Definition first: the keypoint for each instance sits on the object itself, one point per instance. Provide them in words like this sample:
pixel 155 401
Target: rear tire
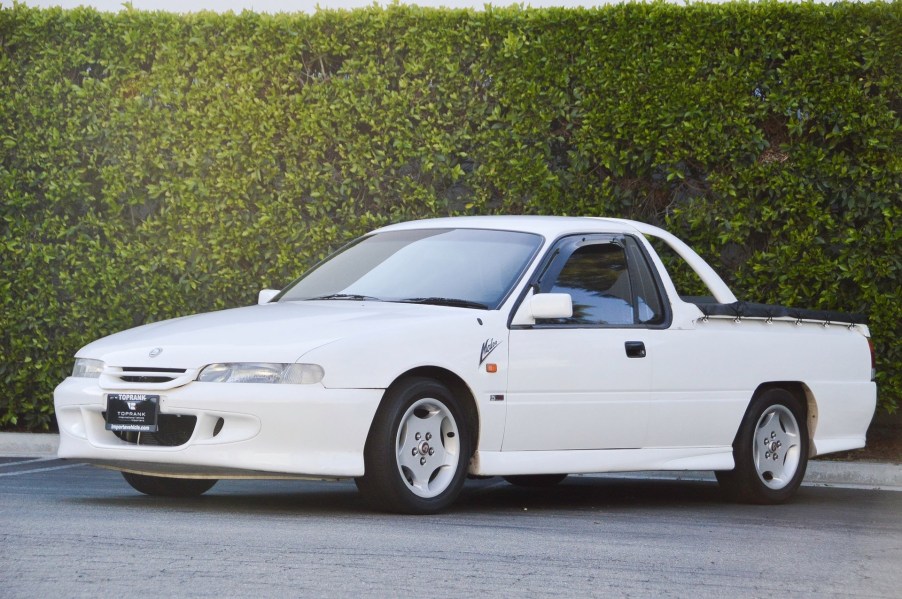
pixel 770 450
pixel 162 486
pixel 418 450
pixel 535 481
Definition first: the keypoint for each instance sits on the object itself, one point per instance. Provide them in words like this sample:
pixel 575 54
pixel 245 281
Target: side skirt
pixel 495 463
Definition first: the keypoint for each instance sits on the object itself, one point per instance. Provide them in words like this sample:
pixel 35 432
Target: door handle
pixel 635 349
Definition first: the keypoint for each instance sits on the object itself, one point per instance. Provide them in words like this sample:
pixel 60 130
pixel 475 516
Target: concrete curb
pixel 820 472
pixel 34 445
pixel 882 474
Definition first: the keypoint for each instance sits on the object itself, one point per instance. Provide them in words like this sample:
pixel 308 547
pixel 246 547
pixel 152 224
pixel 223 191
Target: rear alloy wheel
pixel 417 454
pixel 535 480
pixel 162 486
pixel 770 450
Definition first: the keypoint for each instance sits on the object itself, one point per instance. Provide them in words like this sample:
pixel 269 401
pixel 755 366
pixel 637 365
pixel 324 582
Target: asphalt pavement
pixel 71 530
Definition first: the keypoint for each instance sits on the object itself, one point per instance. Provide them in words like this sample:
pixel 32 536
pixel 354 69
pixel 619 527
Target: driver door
pixel 584 382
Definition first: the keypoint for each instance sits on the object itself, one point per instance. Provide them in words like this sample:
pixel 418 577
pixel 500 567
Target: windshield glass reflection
pixel 471 268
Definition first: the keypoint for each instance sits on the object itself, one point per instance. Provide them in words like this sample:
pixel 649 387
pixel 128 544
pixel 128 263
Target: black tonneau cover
pixel 743 309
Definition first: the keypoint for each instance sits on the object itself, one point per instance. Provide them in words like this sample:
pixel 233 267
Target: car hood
pixel 277 332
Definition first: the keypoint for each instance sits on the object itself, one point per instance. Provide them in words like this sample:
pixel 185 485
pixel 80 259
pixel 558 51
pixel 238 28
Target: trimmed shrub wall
pixel 154 165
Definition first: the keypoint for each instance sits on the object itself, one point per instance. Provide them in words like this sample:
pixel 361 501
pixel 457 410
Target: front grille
pixel 149 375
pixel 145 379
pixel 174 430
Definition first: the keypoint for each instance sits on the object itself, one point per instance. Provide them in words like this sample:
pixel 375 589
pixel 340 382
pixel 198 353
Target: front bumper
pixel 241 430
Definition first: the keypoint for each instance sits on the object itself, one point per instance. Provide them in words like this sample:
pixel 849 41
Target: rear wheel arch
pixel 777 417
pixel 806 398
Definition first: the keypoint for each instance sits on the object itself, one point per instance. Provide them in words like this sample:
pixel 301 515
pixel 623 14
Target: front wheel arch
pixel 449 379
pixel 414 414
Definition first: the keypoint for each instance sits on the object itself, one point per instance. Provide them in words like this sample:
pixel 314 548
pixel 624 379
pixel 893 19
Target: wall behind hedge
pixel 154 165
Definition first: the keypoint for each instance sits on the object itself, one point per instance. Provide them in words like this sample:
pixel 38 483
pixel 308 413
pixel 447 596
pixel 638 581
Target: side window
pixel 610 284
pixel 597 278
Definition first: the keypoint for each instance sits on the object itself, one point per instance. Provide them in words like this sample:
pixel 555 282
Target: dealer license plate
pixel 132 412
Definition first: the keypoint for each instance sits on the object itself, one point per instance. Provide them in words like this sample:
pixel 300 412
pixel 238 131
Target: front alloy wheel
pixel 418 450
pixel 427 448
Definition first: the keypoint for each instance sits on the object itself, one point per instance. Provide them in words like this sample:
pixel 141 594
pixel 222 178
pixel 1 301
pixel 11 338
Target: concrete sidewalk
pixel 866 475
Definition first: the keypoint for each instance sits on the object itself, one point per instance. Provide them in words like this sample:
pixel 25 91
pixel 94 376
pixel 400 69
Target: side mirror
pixel 265 296
pixel 544 305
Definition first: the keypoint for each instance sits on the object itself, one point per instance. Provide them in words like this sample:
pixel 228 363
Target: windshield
pixel 472 268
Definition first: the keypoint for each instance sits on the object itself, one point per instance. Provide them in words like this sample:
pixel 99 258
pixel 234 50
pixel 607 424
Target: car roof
pixel 549 226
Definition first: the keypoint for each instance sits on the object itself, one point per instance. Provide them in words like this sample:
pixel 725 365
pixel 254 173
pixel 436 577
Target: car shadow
pixel 244 497
pixel 577 492
pixel 479 496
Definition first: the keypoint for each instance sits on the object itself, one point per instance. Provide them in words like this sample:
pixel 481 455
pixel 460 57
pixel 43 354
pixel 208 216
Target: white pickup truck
pixel 523 347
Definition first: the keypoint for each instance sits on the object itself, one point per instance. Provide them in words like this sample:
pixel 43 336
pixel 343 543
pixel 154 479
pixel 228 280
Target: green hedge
pixel 154 165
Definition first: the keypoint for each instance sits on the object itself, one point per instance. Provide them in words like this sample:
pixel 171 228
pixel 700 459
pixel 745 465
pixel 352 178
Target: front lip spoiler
pixel 195 472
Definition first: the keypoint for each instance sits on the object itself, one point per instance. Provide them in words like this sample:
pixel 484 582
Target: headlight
pixel 87 368
pixel 262 372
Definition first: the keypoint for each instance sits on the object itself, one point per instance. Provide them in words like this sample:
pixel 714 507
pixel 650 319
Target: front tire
pixel 161 486
pixel 418 450
pixel 770 450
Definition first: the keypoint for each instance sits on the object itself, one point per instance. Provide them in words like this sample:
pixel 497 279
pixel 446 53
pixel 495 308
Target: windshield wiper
pixel 344 296
pixel 444 301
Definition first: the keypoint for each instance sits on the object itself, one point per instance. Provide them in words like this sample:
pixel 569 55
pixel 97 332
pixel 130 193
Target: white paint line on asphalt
pixel 26 461
pixel 33 470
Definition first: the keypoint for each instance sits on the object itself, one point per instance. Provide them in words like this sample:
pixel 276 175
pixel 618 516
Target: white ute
pixel 524 347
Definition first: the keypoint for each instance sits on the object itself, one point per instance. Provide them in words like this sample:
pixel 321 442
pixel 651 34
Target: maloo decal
pixel 488 346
